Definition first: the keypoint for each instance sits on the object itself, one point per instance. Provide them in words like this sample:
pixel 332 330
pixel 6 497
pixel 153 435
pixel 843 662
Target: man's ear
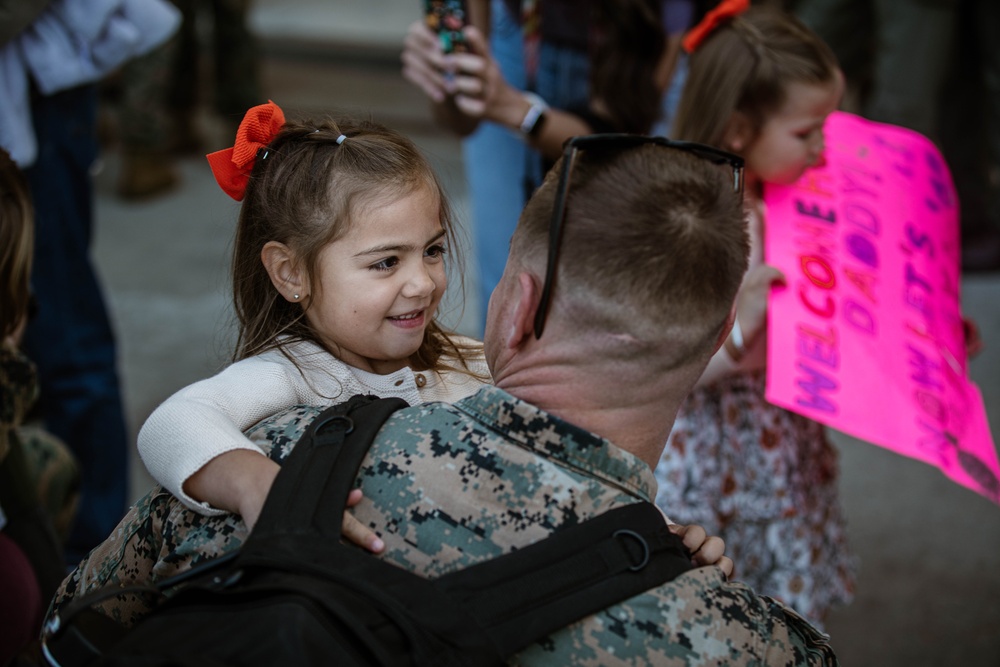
pixel 521 325
pixel 739 134
pixel 285 272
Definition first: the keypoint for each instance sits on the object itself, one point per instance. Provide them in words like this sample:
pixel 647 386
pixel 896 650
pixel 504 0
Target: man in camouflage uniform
pixel 653 253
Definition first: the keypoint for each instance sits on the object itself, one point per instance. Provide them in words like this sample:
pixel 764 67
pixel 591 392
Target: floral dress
pixel 765 480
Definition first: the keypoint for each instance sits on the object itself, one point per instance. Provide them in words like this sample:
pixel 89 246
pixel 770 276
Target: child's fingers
pixel 359 534
pixel 712 551
pixel 354 497
pixel 693 536
pixel 726 565
pixel 704 550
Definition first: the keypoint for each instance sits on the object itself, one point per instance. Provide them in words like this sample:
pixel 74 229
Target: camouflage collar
pixel 555 439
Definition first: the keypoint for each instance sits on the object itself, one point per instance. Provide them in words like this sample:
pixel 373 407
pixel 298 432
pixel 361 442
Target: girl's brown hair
pixel 17 235
pixel 303 191
pixel 746 65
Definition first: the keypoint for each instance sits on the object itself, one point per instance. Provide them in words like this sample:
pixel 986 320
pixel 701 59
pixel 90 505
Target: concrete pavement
pixel 929 592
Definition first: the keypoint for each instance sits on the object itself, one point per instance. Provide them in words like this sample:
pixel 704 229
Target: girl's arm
pixel 236 481
pixel 207 419
pixel 239 481
pixel 742 349
pixel 193 444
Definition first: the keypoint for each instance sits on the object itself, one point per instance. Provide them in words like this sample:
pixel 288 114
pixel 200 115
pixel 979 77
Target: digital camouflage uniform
pixel 449 486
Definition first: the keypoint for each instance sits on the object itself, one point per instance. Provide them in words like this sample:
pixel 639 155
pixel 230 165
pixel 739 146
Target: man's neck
pixel 609 402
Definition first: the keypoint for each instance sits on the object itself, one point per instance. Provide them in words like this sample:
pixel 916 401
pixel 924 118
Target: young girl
pixel 338 269
pixel 764 479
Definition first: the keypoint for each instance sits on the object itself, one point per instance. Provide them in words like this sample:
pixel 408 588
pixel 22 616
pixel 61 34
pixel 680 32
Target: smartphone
pixel 447 18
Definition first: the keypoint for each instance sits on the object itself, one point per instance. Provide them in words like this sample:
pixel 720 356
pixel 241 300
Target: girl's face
pixel 380 284
pixel 791 139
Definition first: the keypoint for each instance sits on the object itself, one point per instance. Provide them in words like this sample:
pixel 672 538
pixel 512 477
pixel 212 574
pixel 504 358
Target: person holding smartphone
pixel 534 73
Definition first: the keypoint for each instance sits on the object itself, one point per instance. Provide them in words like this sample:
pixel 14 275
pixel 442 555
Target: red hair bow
pixel 232 166
pixel 725 10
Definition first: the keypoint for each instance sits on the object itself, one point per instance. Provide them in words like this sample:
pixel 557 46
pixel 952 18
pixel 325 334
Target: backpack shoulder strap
pixel 516 599
pixel 309 494
pixel 524 596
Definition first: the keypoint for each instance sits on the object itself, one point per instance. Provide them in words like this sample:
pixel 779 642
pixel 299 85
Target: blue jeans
pixel 70 339
pixel 500 168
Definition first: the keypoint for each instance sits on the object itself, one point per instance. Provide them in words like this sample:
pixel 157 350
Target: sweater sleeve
pixel 207 418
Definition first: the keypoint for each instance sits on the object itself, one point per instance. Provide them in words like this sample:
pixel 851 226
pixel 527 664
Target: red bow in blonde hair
pixel 725 10
pixel 232 166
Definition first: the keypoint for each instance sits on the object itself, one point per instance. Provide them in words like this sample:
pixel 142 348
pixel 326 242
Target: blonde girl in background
pixel 337 273
pixel 764 479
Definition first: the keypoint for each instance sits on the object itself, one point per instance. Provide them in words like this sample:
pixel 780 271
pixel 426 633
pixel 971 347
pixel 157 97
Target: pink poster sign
pixel 867 336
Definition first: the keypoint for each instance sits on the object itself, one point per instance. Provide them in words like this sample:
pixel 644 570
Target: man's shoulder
pixel 696 620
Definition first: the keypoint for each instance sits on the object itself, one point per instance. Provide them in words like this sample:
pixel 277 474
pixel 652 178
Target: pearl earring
pixel 295 297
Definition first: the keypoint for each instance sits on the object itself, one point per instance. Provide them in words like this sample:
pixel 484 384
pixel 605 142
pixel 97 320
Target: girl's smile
pixel 408 321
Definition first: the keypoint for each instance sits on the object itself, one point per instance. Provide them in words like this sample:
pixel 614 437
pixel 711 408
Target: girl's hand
pixel 356 532
pixel 751 304
pixel 704 550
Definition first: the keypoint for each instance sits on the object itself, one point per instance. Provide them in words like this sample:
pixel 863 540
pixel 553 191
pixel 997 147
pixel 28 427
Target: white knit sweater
pixel 208 418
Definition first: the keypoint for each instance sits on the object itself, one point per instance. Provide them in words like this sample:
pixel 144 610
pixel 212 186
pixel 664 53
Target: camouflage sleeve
pixel 697 620
pixel 159 537
pixel 126 558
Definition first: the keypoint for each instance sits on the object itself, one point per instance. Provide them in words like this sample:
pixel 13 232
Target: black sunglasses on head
pixel 622 142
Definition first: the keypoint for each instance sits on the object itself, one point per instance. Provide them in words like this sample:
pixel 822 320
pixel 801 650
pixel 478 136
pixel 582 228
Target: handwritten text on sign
pixel 867 337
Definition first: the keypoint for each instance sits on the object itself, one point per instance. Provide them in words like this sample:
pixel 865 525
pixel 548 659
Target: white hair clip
pixel 340 139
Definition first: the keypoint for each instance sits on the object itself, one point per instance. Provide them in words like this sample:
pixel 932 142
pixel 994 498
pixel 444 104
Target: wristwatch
pixel 534 119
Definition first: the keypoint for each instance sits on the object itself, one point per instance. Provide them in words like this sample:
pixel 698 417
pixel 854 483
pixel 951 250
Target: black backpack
pixel 294 594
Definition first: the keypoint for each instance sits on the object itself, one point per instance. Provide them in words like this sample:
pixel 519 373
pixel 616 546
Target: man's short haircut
pixel 654 246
